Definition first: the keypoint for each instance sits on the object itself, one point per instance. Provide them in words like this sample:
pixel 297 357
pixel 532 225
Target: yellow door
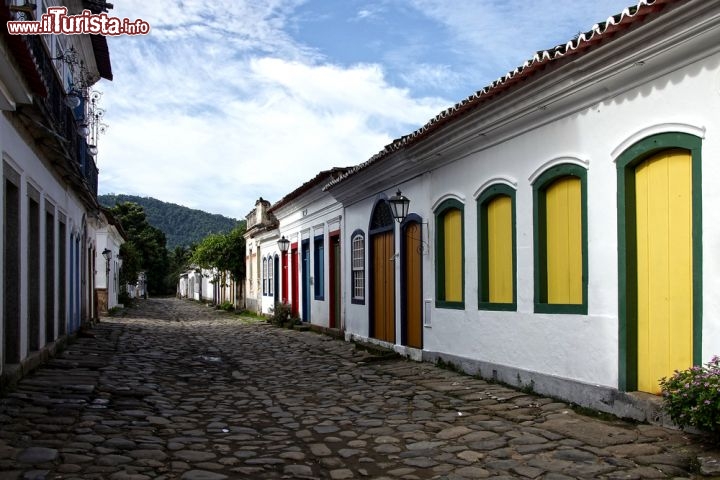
pixel 564 241
pixel 663 186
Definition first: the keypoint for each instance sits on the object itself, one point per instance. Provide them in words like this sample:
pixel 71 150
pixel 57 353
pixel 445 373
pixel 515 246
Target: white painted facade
pixel 49 205
pixel 661 77
pixel 109 236
pixel 183 286
pixel 266 250
pixel 200 286
pixel 309 221
pixel 261 227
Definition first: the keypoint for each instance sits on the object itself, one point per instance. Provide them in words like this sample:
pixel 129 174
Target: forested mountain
pixel 182 226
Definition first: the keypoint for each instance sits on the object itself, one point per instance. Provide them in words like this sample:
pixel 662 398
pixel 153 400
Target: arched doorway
pixel 660 264
pixel 382 272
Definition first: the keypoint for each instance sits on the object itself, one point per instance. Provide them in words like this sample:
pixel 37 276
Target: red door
pixel 285 274
pixel 295 279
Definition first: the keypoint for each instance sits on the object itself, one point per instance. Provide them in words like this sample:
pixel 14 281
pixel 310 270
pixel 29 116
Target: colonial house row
pixel 54 232
pixel 207 285
pixel 558 231
pixel 306 272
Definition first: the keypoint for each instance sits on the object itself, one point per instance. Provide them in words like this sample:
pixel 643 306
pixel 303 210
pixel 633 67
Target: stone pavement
pixel 177 390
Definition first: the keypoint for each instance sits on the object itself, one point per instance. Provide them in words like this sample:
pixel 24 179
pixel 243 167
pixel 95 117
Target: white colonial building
pixel 560 231
pixel 49 202
pixel 109 236
pixel 310 271
pixel 261 231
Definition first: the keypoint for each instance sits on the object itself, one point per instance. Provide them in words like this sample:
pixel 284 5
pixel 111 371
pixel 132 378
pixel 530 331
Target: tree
pixel 226 252
pixel 178 260
pixel 147 243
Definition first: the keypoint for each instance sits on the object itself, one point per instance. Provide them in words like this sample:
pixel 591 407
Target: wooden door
pixel 383 286
pixel 412 284
pixel 285 273
pixel 335 275
pixel 663 207
pixel 295 267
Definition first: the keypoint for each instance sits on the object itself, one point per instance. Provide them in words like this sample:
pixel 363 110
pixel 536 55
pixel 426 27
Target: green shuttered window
pixel 496 249
pixel 450 255
pixel 560 221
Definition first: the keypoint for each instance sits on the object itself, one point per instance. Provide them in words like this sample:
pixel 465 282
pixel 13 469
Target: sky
pixel 226 101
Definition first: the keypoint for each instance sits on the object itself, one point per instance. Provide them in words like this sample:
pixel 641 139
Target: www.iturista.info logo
pixel 57 21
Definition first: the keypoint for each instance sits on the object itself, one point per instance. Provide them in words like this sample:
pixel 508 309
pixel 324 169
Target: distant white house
pixel 197 284
pixel 261 229
pixel 109 236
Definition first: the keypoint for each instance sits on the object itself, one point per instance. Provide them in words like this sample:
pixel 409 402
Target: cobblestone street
pixel 175 389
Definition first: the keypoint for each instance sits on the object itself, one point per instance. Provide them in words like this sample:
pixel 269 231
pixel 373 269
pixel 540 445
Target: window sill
pixel 577 309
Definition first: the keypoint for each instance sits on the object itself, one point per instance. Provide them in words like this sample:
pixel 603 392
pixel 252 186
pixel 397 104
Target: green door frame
pixel 627 254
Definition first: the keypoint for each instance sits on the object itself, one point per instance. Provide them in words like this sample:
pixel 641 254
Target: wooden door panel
pixel 663 189
pixel 413 285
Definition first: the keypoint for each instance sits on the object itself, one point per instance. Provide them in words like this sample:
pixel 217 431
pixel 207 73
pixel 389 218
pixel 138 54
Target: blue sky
pixel 226 101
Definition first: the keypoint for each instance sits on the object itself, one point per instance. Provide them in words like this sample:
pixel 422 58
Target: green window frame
pixel 540 186
pixel 483 201
pixel 441 211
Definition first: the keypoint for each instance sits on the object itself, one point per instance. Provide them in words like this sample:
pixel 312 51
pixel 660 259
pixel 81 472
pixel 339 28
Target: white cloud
pixel 215 124
pixel 220 105
pixel 495 36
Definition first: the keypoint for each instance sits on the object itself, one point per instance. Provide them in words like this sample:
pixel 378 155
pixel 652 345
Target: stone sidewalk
pixel 177 390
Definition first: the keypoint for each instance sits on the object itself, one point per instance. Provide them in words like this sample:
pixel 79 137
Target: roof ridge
pixel 581 42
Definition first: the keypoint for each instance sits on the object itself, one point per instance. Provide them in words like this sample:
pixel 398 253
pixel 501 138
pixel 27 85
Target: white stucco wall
pixel 307 217
pixel 267 243
pixel 32 171
pixel 581 348
pixel 107 237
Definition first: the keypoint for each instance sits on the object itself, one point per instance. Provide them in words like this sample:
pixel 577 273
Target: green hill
pixel 182 226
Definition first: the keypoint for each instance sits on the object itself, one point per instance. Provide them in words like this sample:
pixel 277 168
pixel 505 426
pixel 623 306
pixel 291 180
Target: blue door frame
pixel 306 280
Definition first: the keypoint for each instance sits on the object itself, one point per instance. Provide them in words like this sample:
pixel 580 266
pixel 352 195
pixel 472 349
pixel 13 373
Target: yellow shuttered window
pixel 500 262
pixel 449 255
pixel 453 255
pixel 561 241
pixel 564 242
pixel 496 248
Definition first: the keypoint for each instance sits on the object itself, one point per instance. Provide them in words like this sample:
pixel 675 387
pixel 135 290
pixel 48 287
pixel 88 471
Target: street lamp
pixel 108 255
pixel 283 244
pixel 400 206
